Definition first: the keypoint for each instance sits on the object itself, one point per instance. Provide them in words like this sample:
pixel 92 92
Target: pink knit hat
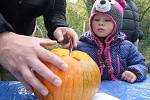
pixel 111 8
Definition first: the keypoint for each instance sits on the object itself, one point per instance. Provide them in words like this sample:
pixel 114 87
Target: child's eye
pixel 107 20
pixel 97 19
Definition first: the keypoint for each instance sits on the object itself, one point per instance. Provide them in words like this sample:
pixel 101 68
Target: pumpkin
pixel 80 81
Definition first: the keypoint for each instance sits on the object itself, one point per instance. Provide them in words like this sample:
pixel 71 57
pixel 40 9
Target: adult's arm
pixel 55 16
pixel 19 54
pixel 4 25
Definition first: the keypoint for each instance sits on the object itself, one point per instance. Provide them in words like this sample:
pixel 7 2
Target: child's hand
pixel 129 76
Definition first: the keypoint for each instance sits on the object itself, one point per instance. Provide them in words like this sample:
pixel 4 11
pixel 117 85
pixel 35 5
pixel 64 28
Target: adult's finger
pixel 47 42
pixel 30 78
pixel 58 34
pixel 46 73
pixel 73 35
pixel 46 55
pixel 67 45
pixel 19 77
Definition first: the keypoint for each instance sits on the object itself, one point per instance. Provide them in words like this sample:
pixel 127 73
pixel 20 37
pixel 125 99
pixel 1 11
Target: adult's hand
pixel 20 54
pixel 64 34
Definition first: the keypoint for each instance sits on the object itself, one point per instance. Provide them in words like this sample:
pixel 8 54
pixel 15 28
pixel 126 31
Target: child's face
pixel 102 25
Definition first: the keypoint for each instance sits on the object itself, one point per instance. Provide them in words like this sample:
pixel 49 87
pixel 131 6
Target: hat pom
pixel 122 3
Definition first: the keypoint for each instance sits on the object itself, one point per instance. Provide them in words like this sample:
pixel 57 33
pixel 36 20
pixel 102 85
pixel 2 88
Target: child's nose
pixel 101 23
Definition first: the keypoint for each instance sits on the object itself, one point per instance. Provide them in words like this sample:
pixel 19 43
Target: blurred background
pixel 78 12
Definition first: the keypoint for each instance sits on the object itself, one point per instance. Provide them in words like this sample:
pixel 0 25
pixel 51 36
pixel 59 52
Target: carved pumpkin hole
pixel 76 58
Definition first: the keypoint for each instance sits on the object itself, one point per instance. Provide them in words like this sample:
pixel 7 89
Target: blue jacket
pixel 115 58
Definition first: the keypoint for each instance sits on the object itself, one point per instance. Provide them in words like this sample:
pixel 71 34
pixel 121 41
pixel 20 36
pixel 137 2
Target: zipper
pixel 53 3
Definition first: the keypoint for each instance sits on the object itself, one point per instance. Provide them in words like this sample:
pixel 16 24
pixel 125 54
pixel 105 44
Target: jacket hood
pixel 89 38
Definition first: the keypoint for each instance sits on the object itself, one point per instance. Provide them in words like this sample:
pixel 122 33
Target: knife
pixel 70 47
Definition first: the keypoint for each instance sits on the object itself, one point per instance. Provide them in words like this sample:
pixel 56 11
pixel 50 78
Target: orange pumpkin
pixel 81 80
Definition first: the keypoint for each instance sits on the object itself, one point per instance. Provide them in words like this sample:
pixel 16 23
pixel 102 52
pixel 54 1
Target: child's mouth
pixel 100 29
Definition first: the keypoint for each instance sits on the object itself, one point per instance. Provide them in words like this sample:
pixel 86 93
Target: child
pixel 117 58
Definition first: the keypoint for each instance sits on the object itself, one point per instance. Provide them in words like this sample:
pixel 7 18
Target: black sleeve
pixel 139 29
pixel 55 16
pixel 4 25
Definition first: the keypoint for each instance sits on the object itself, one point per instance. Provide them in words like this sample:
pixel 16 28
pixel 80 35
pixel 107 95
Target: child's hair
pixel 110 8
